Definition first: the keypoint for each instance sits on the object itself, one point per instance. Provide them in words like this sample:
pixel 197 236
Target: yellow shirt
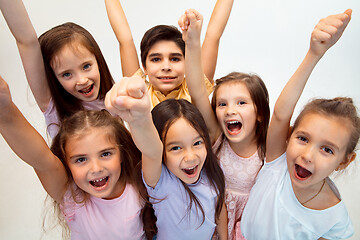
pixel 181 92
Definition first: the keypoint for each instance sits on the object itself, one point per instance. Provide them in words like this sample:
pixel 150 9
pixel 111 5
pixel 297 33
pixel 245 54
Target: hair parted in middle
pixel 164 115
pixel 259 96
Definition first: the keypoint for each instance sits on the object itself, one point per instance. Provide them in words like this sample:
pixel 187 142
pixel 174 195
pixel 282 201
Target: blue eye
pixel 175 148
pixel 86 66
pixel 241 102
pixel 327 150
pixel 66 75
pixel 198 143
pixel 220 104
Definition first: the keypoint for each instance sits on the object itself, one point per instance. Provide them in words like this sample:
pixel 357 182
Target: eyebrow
pixel 178 142
pixel 171 54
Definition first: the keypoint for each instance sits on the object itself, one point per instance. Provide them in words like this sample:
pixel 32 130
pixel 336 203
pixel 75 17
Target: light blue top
pixel 173 219
pixel 273 211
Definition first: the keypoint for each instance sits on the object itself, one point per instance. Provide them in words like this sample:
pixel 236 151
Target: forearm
pixel 221 227
pixel 121 28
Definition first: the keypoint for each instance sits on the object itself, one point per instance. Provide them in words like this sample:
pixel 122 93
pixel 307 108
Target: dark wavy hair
pixel 164 115
pixel 259 96
pixel 81 123
pixel 51 42
pixel 160 33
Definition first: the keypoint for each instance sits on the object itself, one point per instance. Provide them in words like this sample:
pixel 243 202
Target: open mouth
pixel 302 173
pixel 99 182
pixel 88 90
pixel 191 172
pixel 233 127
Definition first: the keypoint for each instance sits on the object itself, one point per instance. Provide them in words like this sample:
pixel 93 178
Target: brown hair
pixel 339 107
pixel 164 115
pixel 51 42
pixel 160 33
pixel 83 121
pixel 260 98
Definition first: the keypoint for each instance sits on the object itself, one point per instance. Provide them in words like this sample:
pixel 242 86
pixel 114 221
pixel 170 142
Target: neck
pixel 244 149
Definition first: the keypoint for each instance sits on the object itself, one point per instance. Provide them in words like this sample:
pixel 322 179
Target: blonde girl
pixel 237 120
pixel 182 176
pixel 293 197
pixel 92 171
pixel 65 68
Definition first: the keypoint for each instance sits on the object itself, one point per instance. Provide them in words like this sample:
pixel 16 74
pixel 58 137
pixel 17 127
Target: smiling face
pixel 185 151
pixel 236 113
pixel 165 66
pixel 315 149
pixel 94 161
pixel 77 71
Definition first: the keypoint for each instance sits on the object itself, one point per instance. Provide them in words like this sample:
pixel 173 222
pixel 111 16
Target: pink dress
pixel 240 174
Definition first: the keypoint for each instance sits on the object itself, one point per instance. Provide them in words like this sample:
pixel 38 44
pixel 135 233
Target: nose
pixel 96 166
pixel 190 155
pixel 230 110
pixel 82 80
pixel 166 66
pixel 308 153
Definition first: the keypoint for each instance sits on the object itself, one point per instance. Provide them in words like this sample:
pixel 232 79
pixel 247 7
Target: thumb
pixel 348 12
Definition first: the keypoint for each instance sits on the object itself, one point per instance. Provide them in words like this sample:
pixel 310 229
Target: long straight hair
pixel 164 115
pixel 51 42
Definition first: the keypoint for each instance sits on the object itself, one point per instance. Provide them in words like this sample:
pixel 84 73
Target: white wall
pixel 267 37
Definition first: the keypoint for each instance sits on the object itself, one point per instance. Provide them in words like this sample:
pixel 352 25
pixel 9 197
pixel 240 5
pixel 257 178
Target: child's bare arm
pixel 29 48
pixel 129 99
pixel 191 23
pixel 128 55
pixel 326 33
pixel 28 144
pixel 222 224
pixel 215 29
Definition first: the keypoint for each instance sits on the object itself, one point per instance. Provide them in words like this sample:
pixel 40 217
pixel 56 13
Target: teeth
pixel 99 180
pixel 233 122
pixel 190 168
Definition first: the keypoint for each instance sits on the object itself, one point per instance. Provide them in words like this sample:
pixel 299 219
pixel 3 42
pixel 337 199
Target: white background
pixel 267 37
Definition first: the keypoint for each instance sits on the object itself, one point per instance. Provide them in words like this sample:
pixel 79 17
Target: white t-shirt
pixel 273 211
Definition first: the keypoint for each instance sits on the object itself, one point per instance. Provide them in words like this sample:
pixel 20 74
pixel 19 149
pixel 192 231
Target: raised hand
pixel 190 23
pixel 129 99
pixel 328 31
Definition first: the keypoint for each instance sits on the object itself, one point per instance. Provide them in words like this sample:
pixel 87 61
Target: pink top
pixel 240 174
pixel 118 218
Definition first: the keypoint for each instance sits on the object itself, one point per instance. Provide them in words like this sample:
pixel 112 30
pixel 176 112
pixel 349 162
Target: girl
pixel 92 171
pixel 181 174
pixel 237 121
pixel 163 52
pixel 66 71
pixel 293 197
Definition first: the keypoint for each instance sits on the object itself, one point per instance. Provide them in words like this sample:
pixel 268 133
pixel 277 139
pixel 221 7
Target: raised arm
pixel 29 48
pixel 28 144
pixel 215 29
pixel 128 55
pixel 326 33
pixel 191 23
pixel 129 99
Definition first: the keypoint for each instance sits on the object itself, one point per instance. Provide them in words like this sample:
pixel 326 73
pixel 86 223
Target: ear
pixel 350 157
pixel 144 69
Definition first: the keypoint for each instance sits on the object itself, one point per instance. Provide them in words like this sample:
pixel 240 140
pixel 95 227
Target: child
pixel 66 71
pixel 293 197
pixel 163 52
pixel 92 171
pixel 237 121
pixel 182 176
